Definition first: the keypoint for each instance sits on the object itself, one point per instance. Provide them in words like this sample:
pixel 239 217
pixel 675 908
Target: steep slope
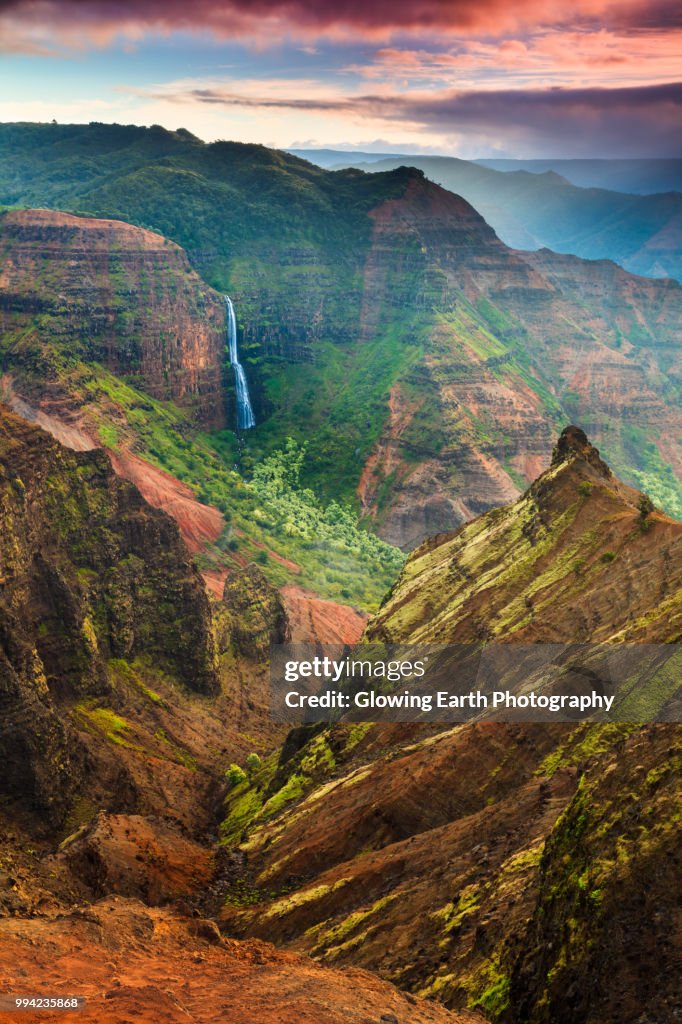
pixel 494 866
pixel 123 702
pixel 530 210
pixel 90 573
pixel 516 340
pixel 577 557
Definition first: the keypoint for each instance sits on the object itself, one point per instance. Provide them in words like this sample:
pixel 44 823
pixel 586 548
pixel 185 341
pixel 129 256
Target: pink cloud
pixel 566 57
pixel 98 22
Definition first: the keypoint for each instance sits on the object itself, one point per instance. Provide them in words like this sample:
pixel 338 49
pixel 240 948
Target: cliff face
pixel 104 291
pixel 512 344
pixel 465 424
pixel 495 866
pixel 252 614
pixel 91 576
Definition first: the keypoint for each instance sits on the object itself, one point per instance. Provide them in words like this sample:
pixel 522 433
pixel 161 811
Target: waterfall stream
pixel 245 416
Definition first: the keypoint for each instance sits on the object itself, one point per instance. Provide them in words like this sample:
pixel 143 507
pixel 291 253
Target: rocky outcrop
pixel 580 556
pixel 107 292
pixel 129 855
pixel 90 573
pixel 253 614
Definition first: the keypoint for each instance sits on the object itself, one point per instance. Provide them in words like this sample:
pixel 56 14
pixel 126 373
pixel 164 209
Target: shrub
pixel 236 775
pixel 645 506
pixel 253 763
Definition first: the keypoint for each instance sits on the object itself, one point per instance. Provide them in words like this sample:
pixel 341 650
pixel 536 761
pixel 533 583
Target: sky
pixel 469 78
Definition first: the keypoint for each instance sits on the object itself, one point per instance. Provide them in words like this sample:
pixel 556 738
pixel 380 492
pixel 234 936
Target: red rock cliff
pixel 118 295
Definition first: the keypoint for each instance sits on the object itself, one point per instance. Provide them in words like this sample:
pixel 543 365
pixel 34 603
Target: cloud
pixel 549 122
pixel 79 23
pixel 569 57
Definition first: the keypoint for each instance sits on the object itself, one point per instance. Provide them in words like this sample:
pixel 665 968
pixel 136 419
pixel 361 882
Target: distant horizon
pixel 343 147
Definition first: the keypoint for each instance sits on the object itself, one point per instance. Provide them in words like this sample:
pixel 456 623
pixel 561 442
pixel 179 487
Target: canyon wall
pixel 107 292
pixel 91 576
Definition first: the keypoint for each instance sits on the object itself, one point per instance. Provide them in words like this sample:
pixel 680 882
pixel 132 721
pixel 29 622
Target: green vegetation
pixel 106 722
pixel 267 789
pixel 235 775
pixel 490 989
pixel 271 518
pixel 342 401
pixel 634 455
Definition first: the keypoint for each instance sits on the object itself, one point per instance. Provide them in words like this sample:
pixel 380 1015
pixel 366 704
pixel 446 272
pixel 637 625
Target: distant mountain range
pixel 533 204
pixel 640 176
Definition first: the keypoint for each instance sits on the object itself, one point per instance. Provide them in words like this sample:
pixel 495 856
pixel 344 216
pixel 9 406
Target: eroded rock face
pixel 513 344
pixel 255 614
pixel 314 620
pixel 108 292
pixel 136 856
pixel 463 426
pixel 90 573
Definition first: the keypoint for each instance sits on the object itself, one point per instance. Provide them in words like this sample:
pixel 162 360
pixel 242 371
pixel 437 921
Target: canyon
pixel 380 314
pixel 166 847
pixel 481 872
pixel 124 694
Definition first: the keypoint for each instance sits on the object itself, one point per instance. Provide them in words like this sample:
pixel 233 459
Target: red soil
pixel 131 963
pixel 199 524
pixel 313 620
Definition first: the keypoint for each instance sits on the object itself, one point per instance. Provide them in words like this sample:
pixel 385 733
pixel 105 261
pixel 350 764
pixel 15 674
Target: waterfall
pixel 245 417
